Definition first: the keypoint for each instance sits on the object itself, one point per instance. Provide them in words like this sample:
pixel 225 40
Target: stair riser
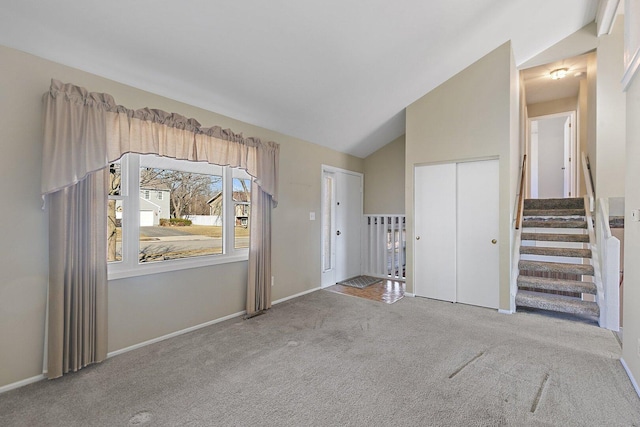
pixel 530 223
pixel 581 269
pixel 548 204
pixel 554 237
pixel 554 213
pixel 556 252
pixel 556 285
pixel 591 311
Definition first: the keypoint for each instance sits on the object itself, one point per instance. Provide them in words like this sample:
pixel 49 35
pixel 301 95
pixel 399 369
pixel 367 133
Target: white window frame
pixel 130 265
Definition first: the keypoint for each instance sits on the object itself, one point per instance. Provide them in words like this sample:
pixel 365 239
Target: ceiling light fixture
pixel 559 73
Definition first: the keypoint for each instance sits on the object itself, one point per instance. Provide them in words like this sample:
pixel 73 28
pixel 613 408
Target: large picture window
pixel 166 214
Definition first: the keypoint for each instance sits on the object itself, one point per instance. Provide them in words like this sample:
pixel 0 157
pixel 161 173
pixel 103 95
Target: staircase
pixel 554 260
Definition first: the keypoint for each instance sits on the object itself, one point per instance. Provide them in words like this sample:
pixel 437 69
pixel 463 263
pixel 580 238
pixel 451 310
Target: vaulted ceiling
pixel 338 73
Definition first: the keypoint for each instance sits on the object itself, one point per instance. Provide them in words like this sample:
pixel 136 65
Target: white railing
pixel 586 170
pixel 608 251
pixel 595 261
pixel 384 246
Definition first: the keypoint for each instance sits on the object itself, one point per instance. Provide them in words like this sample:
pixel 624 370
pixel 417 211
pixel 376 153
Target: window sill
pixel 117 271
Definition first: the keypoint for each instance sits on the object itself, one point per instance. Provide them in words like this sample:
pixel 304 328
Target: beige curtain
pixel 83 133
pixel 259 283
pixel 86 131
pixel 77 276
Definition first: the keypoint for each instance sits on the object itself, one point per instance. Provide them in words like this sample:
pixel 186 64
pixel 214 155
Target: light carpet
pixel 326 359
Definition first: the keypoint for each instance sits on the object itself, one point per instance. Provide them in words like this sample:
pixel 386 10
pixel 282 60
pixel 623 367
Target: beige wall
pixel 453 123
pixel 561 105
pixel 145 307
pixel 610 128
pixel 631 316
pixel 384 179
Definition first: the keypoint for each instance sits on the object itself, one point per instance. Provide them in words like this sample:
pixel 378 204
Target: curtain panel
pixel 83 133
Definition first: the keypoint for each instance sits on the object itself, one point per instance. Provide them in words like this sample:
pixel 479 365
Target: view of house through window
pixel 182 210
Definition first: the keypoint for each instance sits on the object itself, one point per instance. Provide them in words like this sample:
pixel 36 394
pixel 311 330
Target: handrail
pixel 521 195
pixel 603 212
pixel 588 180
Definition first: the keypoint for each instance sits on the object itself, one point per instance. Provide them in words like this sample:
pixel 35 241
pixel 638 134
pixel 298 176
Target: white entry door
pixel 456 256
pixel 341 224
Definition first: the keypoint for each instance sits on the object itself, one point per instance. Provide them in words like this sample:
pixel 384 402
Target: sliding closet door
pixel 477 268
pixel 456 248
pixel 435 231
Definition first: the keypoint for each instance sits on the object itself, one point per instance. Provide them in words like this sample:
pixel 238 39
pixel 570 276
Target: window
pixel 187 214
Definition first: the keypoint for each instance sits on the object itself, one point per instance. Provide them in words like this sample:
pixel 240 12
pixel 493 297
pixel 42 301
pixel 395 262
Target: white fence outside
pixel 384 246
pixel 204 219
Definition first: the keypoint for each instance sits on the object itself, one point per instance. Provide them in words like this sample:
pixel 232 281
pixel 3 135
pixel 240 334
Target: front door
pixel 341 225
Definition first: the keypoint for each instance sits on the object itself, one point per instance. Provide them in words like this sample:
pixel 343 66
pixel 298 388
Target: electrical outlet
pixel 273 281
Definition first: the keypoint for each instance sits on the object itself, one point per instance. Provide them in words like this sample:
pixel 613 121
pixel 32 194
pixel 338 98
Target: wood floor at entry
pixel 388 291
pixel 456 248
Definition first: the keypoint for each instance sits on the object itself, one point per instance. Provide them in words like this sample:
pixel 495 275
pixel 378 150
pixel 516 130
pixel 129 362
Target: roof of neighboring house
pixel 155 187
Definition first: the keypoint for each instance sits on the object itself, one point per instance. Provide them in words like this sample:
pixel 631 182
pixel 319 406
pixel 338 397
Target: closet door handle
pixel 494 241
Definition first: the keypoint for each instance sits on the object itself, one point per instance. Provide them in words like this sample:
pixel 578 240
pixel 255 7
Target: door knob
pixel 338 232
pixel 494 241
pixel 417 237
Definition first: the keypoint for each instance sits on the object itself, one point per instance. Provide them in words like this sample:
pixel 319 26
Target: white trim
pixel 42 376
pixel 606 16
pixel 176 265
pixel 295 296
pixel 501 311
pixel 631 378
pixel 175 334
pixel 632 69
pixel 22 383
pixel 409 294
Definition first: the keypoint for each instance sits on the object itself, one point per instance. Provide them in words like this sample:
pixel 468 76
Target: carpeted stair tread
pixel 567 252
pixel 558 303
pixel 554 212
pixel 556 237
pixel 567 203
pixel 556 267
pixel 550 284
pixel 553 223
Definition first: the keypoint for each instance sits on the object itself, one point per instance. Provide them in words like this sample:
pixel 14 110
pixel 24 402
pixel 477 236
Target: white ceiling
pixel 334 72
pixel 540 87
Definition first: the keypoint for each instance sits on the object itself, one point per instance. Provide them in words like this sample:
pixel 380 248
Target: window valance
pixel 85 131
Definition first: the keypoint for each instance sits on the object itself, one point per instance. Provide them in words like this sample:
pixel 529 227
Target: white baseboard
pixel 22 383
pixel 633 380
pixel 174 334
pixel 196 327
pixel 501 311
pixel 37 378
pixel 409 294
pixel 295 296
